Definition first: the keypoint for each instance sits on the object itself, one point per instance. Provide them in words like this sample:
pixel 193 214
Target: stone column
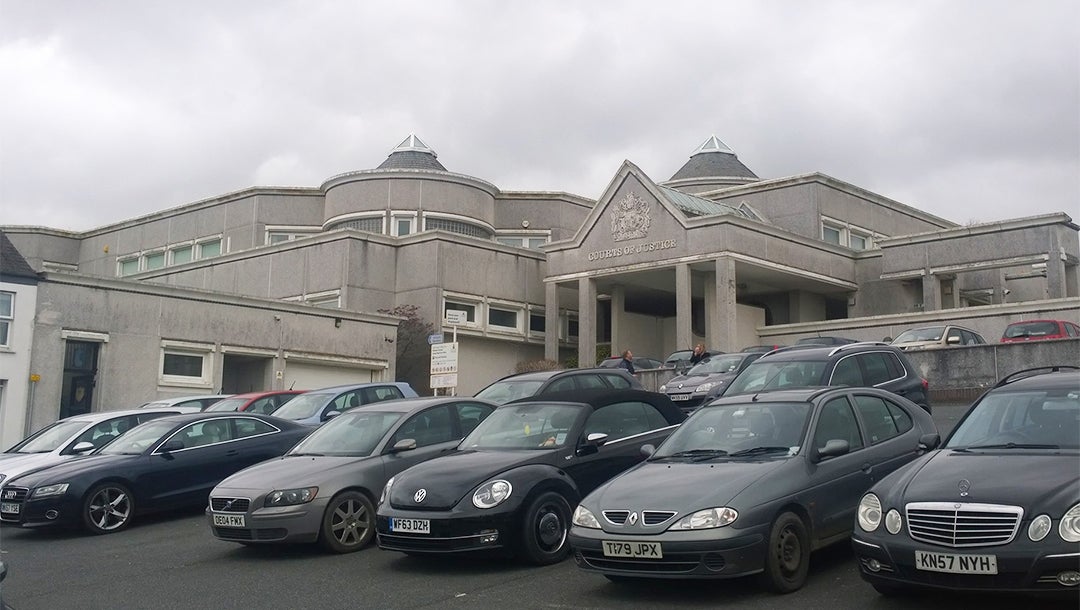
pixel 684 334
pixel 618 308
pixel 586 322
pixel 725 335
pixel 711 318
pixel 931 292
pixel 1056 276
pixel 551 321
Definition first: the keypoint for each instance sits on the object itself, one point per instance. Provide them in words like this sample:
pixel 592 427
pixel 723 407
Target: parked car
pixel 71 437
pixel 514 481
pixel 255 402
pixel 855 364
pixel 825 341
pixel 168 463
pixel 678 359
pixel 1034 330
pixel 324 489
pixel 750 485
pixel 706 380
pixel 186 404
pixel 761 348
pixel 640 363
pixel 996 508
pixel 930 337
pixel 314 407
pixel 524 385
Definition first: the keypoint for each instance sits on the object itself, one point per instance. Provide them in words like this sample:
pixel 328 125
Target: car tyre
pixel 787 558
pixel 108 508
pixel 348 524
pixel 545 529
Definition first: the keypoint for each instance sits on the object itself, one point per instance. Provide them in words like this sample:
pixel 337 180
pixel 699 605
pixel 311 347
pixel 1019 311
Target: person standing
pixel 627 361
pixel 699 354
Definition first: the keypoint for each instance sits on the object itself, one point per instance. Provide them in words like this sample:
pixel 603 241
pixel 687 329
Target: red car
pixel 1034 330
pixel 255 402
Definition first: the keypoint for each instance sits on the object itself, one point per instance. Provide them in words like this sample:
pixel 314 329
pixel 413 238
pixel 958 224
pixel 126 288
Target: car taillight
pixel 925 385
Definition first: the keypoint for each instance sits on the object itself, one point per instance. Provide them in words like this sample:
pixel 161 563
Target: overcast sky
pixel 110 110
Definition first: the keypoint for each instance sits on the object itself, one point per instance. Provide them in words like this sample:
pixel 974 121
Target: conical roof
pixel 713 159
pixel 412 153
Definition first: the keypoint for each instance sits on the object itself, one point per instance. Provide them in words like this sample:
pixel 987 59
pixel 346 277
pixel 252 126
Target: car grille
pixel 648 517
pixel 963 525
pixel 232 533
pixel 14 494
pixel 230 505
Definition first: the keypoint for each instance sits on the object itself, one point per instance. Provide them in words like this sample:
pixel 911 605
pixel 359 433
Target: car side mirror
pixel 173 444
pixel 82 448
pixel 596 438
pixel 648 450
pixel 832 448
pixel 405 444
pixel 928 442
pixel 331 415
pixel 953 340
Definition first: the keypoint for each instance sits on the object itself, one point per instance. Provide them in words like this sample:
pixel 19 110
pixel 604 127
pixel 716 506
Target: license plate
pixel 675 397
pixel 9 507
pixel 229 520
pixel 956 564
pixel 636 550
pixel 411 526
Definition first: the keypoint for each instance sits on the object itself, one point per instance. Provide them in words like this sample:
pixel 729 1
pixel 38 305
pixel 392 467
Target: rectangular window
pixel 129 266
pixel 182 365
pixel 210 249
pixel 7 316
pixel 155 260
pixel 859 242
pixel 572 328
pixel 186 364
pixel 503 318
pixel 277 238
pixel 536 242
pixel 831 234
pixel 402 226
pixel 470 310
pixel 182 255
pixel 509 241
pixel 331 301
pixel 537 322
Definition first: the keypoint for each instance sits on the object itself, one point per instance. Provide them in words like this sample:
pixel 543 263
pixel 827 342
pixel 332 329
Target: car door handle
pixel 232 452
pixel 866 467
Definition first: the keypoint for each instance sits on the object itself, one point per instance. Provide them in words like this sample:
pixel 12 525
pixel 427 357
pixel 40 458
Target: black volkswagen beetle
pixel 750 484
pixel 167 463
pixel 997 508
pixel 513 482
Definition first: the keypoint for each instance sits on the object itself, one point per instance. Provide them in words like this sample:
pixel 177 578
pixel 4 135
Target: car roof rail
pixel 1032 372
pixel 840 348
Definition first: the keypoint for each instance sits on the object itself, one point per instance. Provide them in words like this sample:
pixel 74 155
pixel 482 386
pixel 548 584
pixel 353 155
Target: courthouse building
pixel 273 287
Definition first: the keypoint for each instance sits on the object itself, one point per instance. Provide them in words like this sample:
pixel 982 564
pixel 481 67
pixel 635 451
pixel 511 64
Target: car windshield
pixel 526 426
pixel 738 430
pixel 716 365
pixel 50 437
pixel 138 439
pixel 228 404
pixel 303 406
pixel 1032 418
pixel 1031 329
pixel 502 392
pixel 353 433
pixel 930 333
pixel 765 375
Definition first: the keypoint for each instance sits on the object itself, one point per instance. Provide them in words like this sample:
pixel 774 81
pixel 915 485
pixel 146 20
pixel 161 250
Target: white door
pixel 313 375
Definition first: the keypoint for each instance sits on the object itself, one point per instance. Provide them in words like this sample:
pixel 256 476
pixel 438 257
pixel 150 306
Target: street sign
pixel 456 317
pixel 448 380
pixel 444 358
pixel 434 338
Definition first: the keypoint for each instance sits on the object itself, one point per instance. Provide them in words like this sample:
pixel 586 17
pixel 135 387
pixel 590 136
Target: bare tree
pixel 413 356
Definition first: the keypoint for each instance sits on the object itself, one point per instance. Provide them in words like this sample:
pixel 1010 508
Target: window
pixel 210 249
pixel 878 419
pixel 456 226
pixel 128 266
pixel 277 236
pixel 252 427
pixel 537 322
pixel 328 301
pixel 618 381
pixel 837 422
pixel 186 364
pixel 7 316
pixel 371 224
pixel 470 415
pixel 182 255
pixel 183 365
pixel 205 433
pixel 155 260
pixel 380 393
pixel 503 318
pixel 430 427
pixel 831 234
pixel 531 240
pixel 624 419
pixel 571 328
pixel 859 242
pixel 403 225
pixel 876 368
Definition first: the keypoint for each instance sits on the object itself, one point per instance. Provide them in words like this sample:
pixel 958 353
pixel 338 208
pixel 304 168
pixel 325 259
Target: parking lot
pixel 171 561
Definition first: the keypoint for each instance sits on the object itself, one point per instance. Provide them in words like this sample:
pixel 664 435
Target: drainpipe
pixel 34 379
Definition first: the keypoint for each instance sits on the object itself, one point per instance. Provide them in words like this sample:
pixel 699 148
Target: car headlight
pixel 706 519
pixel 1070 525
pixel 385 495
pixel 704 388
pixel 45 491
pixel 893 521
pixel 583 517
pixel 1040 527
pixel 663 388
pixel 290 497
pixel 492 493
pixel 869 513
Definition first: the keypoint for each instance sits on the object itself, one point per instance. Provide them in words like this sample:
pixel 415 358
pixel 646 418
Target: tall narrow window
pixel 7 316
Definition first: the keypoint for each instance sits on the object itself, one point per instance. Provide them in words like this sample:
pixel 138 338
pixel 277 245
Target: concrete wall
pixel 962 373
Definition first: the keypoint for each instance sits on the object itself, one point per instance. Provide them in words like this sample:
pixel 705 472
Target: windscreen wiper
pixel 761 450
pixel 1015 446
pixel 695 454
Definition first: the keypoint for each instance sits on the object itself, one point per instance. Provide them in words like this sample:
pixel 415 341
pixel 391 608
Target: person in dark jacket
pixel 699 354
pixel 628 361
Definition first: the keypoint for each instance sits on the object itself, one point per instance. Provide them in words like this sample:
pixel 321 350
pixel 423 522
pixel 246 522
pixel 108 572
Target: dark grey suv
pixel 876 365
pixel 524 385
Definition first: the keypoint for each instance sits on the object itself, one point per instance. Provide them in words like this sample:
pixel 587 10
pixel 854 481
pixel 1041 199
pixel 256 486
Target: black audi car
pixel 748 485
pixel 707 379
pixel 515 480
pixel 997 508
pixel 167 463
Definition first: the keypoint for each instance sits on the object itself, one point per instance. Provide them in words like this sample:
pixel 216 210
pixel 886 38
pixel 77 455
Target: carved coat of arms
pixel 629 218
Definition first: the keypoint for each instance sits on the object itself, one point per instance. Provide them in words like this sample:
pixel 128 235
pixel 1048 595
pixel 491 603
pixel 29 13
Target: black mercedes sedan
pixel 513 482
pixel 997 508
pixel 167 463
pixel 750 484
